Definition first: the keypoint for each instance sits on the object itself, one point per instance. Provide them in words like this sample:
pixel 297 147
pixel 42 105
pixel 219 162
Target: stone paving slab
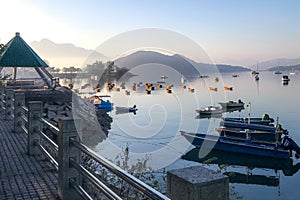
pixel 23 176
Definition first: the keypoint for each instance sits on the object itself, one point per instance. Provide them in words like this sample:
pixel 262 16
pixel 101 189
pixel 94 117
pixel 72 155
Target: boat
pixel 210 110
pixel 228 88
pixel 277 72
pixel 213 89
pixel 234 75
pixel 216 79
pixel 257 135
pixel 264 120
pixel 103 102
pixel 256 77
pixel 251 131
pixel 254 72
pixel 203 76
pixel 237 145
pixel 122 110
pixel 285 78
pixel 232 104
pixel 182 80
pixel 293 72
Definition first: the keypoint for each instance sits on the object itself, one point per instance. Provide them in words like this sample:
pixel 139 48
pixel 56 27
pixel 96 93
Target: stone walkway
pixel 23 176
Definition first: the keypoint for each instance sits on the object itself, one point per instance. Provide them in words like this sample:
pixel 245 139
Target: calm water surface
pixel 154 131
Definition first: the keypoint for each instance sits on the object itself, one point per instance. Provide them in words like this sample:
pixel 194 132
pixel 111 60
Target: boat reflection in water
pixel 234 160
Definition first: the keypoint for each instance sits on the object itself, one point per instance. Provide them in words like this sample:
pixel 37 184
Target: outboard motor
pixel 289 144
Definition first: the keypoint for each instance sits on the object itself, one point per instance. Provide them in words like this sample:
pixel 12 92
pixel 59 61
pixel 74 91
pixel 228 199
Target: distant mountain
pixel 275 63
pixel 179 63
pixel 223 68
pixel 140 58
pixel 65 55
pixel 285 68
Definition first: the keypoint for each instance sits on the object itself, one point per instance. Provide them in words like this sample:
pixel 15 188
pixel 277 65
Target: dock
pixel 23 176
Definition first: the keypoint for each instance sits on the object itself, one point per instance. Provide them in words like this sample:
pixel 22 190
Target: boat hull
pixel 252 120
pixel 236 145
pixel 231 105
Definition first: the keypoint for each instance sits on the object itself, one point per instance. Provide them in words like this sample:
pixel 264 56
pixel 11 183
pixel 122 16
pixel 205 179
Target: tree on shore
pixel 71 69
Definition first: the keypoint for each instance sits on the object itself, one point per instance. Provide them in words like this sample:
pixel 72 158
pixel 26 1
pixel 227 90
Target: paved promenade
pixel 23 176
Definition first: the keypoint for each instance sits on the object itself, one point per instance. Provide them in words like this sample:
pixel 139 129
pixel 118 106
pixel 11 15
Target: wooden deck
pixel 23 176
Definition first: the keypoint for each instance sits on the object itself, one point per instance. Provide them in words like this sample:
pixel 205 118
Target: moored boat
pixel 121 110
pixel 237 145
pixel 210 110
pixel 285 78
pixel 103 102
pixel 232 104
pixel 264 120
pixel 257 135
pixel 227 88
pixel 213 89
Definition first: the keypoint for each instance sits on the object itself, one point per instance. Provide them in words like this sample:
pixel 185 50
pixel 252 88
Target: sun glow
pixel 32 23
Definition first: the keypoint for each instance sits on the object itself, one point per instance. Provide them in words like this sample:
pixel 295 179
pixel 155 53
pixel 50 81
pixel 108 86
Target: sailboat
pixel 182 80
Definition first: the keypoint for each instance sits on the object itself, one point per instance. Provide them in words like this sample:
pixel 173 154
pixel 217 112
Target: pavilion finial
pixel 17 33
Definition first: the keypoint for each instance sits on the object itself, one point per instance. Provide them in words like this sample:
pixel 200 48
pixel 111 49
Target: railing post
pixel 18 111
pixel 34 126
pixel 66 172
pixel 9 102
pixel 1 95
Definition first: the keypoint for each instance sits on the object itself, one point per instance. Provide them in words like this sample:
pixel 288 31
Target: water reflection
pixel 226 160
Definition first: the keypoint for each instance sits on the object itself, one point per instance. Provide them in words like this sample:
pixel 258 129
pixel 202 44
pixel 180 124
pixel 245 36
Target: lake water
pixel 153 133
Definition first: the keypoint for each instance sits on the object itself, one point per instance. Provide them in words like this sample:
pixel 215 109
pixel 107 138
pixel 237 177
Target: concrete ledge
pixel 197 183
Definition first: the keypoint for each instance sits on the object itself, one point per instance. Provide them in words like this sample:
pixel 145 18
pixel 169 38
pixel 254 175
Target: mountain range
pixel 179 63
pixel 279 62
pixel 66 55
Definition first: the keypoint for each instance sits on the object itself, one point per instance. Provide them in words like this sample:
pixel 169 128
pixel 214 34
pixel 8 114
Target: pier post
pixel 34 126
pixel 18 111
pixel 66 172
pixel 197 182
pixel 9 96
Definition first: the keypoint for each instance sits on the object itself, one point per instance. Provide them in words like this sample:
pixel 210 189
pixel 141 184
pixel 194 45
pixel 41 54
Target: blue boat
pixel 103 102
pixel 237 145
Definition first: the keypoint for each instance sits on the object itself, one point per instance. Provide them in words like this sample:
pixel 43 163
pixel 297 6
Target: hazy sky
pixel 234 32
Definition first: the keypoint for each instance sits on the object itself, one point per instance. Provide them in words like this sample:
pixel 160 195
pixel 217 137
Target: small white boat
pixel 210 110
pixel 293 72
pixel 182 80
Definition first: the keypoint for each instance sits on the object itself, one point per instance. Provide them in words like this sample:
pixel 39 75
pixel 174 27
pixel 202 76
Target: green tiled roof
pixel 18 53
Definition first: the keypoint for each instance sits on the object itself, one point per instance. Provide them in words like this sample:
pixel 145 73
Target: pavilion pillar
pixel 14 73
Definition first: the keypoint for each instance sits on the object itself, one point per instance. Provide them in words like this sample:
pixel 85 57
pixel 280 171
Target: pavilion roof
pixel 17 53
